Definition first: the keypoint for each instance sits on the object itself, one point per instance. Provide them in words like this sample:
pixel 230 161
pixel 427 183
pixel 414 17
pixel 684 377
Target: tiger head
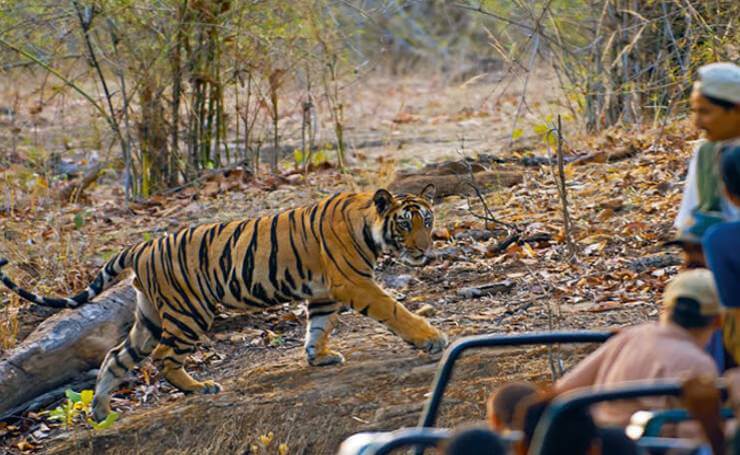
pixel 404 227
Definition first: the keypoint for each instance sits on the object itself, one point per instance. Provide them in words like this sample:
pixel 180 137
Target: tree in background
pixel 186 86
pixel 167 70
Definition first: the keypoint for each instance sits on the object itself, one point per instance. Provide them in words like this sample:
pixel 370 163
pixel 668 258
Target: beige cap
pixel 697 284
pixel 720 80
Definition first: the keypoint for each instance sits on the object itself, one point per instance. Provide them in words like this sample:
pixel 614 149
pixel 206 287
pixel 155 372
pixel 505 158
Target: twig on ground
pixel 73 190
pixel 488 215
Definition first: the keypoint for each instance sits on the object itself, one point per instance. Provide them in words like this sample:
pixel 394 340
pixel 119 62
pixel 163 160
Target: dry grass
pixel 9 324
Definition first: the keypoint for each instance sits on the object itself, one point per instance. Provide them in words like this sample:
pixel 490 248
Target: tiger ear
pixel 383 201
pixel 428 192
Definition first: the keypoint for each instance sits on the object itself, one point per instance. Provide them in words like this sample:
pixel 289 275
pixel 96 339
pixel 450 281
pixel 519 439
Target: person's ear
pixel 495 423
pixel 733 198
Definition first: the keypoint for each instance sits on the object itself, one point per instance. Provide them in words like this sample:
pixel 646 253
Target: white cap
pixel 721 81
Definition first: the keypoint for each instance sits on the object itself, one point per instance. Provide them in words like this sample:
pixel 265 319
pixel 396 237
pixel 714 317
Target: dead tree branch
pixel 567 225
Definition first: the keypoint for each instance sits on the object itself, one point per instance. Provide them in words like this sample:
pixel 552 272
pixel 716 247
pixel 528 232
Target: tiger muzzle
pixel 416 258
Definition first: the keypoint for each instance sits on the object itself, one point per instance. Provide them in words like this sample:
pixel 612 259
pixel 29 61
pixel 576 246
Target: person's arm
pixel 585 372
pixel 721 245
pixel 690 199
pixel 702 399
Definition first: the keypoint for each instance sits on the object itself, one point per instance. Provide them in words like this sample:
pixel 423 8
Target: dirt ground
pixel 621 211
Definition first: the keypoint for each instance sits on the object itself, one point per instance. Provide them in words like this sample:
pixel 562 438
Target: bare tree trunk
pixel 176 65
pixel 85 17
pixel 567 225
pixel 152 139
pixel 275 80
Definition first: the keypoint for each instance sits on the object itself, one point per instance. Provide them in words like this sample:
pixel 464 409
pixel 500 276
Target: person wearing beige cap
pixel 669 348
pixel 715 103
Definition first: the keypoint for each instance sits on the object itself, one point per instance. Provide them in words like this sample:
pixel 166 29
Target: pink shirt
pixel 646 351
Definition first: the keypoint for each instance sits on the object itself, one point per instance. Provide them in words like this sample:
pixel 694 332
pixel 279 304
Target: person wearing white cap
pixel 715 103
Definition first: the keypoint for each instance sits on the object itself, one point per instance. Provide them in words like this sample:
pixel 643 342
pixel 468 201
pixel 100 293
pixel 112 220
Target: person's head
pixel 575 432
pixel 615 442
pixel 690 238
pixel 503 401
pixel 731 173
pixel 715 101
pixel 474 440
pixel 691 301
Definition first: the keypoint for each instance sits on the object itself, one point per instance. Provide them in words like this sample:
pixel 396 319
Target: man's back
pixel 647 351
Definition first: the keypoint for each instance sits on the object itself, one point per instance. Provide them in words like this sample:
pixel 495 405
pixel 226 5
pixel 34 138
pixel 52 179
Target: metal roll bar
pixel 663 445
pixel 454 351
pixel 655 420
pixel 418 437
pixel 579 399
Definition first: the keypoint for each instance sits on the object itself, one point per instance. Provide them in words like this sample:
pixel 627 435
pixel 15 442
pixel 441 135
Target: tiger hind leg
pixel 141 341
pixel 173 350
pixel 173 369
pixel 322 317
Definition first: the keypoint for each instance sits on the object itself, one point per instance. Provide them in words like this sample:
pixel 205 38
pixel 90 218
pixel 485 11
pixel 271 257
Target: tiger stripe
pixel 324 253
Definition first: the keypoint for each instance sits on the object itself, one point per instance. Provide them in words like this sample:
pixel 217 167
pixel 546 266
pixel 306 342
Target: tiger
pixel 323 254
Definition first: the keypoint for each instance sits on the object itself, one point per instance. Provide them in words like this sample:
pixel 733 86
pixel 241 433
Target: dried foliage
pixel 179 81
pixel 619 61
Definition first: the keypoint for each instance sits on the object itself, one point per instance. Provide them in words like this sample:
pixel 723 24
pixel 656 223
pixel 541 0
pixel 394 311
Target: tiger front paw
pixel 432 342
pixel 435 343
pixel 324 358
pixel 209 388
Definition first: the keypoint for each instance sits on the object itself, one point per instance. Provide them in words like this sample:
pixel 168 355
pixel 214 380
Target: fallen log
pixel 658 261
pixel 455 184
pixel 461 167
pixel 608 156
pixel 64 348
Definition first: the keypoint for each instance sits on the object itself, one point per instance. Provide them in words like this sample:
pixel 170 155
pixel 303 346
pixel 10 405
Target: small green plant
pixel 317 158
pixel 79 220
pixel 277 341
pixel 78 408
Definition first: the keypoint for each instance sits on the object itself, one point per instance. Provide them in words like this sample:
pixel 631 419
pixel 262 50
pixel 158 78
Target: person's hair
pixel 474 440
pixel 731 169
pixel 687 313
pixel 575 431
pixel 724 104
pixel 503 401
pixel 615 442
